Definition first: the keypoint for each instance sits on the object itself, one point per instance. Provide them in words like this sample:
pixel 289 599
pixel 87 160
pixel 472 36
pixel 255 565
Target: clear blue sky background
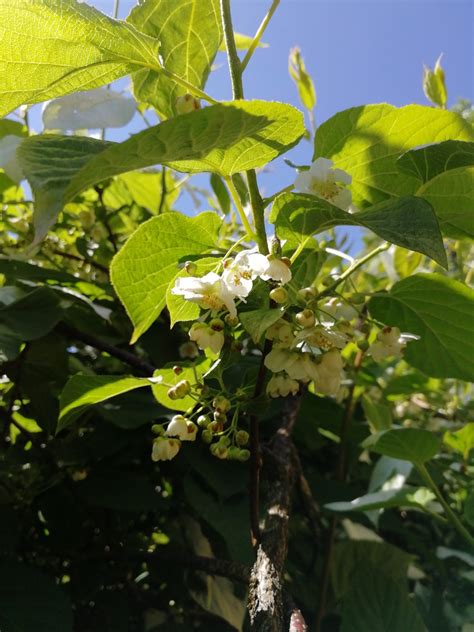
pixel 357 51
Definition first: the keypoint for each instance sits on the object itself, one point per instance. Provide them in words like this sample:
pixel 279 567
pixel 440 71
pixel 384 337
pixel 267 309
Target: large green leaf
pixel 33 315
pixel 53 47
pixel 82 391
pixel 427 162
pixel 30 601
pixel 409 444
pixel 408 222
pixel 440 311
pixel 189 34
pixel 377 602
pixel 366 142
pixel 142 271
pixel 49 163
pixel 451 195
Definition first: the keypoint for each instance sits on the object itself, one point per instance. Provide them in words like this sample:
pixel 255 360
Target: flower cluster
pixel 167 445
pixel 389 342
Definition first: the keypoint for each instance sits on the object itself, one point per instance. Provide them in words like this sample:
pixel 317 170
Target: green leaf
pixel 440 311
pixel 179 309
pixel 409 444
pixel 461 440
pixel 31 601
pixel 469 509
pixel 378 415
pixel 82 391
pixel 142 271
pixel 303 81
pixel 366 142
pixel 164 378
pixel 450 194
pixel 63 46
pixel 225 139
pixel 404 497
pixel 221 193
pixel 190 34
pixel 351 555
pixel 13 269
pixel 434 85
pixel 256 322
pixel 49 163
pixel 427 162
pixel 377 601
pixel 408 222
pixel 43 303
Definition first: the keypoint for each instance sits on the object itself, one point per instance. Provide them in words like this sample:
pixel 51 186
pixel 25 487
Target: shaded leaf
pixel 410 444
pixel 427 162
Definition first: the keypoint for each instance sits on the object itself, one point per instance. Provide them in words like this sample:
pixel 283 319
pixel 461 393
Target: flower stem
pixel 259 34
pixel 355 266
pixel 451 516
pixel 238 205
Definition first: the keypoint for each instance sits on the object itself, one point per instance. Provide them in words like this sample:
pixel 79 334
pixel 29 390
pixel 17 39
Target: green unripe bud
pixel 232 321
pixel 233 453
pixel 187 103
pixel 190 267
pixel 219 451
pixel 305 318
pixel 182 389
pixel 157 429
pixel 365 328
pixel 221 404
pixel 221 418
pixel 217 324
pixel 306 293
pixel 275 247
pixel 207 436
pixel 224 441
pixel 357 298
pixel 327 281
pixel 215 426
pixel 244 455
pixel 363 345
pixel 203 421
pixel 242 437
pixel 279 295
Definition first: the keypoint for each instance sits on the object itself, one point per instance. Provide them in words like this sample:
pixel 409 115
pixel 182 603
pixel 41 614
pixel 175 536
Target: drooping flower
pixel 207 337
pixel 182 428
pixel 239 273
pixel 280 332
pixel 276 270
pixel 209 292
pixel 282 386
pixel 329 373
pixel 165 449
pixel 325 182
pixel 388 343
pixel 338 309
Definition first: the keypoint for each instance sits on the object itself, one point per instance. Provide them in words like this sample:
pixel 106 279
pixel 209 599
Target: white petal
pixel 320 168
pixel 303 182
pixel 342 176
pixel 8 160
pixel 93 109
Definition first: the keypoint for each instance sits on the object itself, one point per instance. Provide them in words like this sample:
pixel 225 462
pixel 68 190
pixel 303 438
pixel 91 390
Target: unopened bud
pixel 242 437
pixel 219 451
pixel 190 267
pixel 221 404
pixel 233 453
pixel 158 429
pixel 187 103
pixel 363 345
pixel 182 389
pixel 357 298
pixel 305 318
pixel 219 417
pixel 207 436
pixel 224 441
pixel 177 370
pixel 244 455
pixel 173 393
pixel 216 324
pixel 232 321
pixel 275 247
pixel 215 427
pixel 279 295
pixel 307 293
pixel 203 421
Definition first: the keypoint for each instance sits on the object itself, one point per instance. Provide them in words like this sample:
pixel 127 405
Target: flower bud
pixel 224 441
pixel 177 370
pixel 221 404
pixel 363 344
pixel 182 389
pixel 221 418
pixel 357 298
pixel 242 437
pixel 219 451
pixel 173 393
pixel 216 324
pixel 307 293
pixel 187 103
pixel 233 453
pixel 207 436
pixel 190 267
pixel 203 421
pixel 158 429
pixel 305 318
pixel 244 455
pixel 275 246
pixel 279 295
pixel 232 321
pixel 215 427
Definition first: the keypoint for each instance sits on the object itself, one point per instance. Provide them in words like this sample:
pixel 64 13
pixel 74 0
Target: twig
pixel 125 356
pixel 164 192
pixel 91 262
pixel 259 34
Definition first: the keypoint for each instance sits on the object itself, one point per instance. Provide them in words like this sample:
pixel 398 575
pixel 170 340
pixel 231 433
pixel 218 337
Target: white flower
pixel 321 337
pixel 240 272
pixel 182 428
pixel 280 359
pixel 8 160
pixel 282 386
pixel 324 182
pixel 281 332
pixel 209 292
pixel 277 270
pixel 206 337
pixel 329 373
pixel 339 309
pixel 165 449
pixel 388 343
pixel 299 366
pixel 93 109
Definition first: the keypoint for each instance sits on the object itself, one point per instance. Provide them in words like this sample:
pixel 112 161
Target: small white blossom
pixel 388 343
pixel 299 366
pixel 8 160
pixel 282 386
pixel 338 309
pixel 277 270
pixel 280 332
pixel 206 337
pixel 325 182
pixel 321 337
pixel 239 273
pixel 329 373
pixel 182 428
pixel 165 449
pixel 209 292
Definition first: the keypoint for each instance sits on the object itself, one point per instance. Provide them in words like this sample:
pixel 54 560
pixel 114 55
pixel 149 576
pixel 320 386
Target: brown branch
pixel 280 470
pixel 125 356
pixel 73 257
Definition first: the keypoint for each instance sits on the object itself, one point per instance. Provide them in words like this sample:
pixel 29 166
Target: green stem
pixel 238 205
pixel 460 528
pixel 258 212
pixel 355 266
pixel 200 94
pixel 259 34
pixel 116 8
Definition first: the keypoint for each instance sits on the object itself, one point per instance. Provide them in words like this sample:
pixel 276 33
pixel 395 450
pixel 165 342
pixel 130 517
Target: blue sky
pixel 357 51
